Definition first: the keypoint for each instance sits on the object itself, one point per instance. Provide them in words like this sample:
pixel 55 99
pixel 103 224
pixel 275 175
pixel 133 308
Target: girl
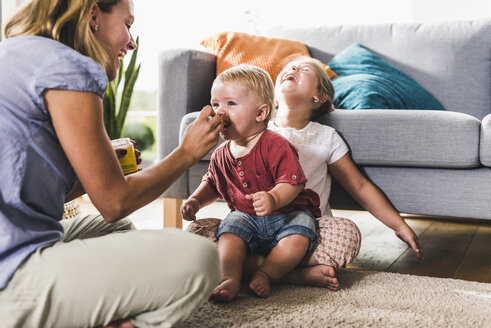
pixel 303 92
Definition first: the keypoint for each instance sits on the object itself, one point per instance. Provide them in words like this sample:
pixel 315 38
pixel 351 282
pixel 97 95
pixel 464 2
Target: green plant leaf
pixel 132 63
pixel 126 97
pixel 120 74
pixel 109 106
pixel 114 118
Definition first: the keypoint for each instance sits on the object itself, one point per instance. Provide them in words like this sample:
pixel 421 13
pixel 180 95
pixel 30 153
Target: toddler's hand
pixel 263 202
pixel 189 209
pixel 407 235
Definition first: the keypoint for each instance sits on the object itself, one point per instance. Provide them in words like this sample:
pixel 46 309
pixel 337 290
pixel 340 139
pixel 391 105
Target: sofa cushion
pixel 234 48
pixel 451 60
pixel 409 138
pixel 366 81
pixel 427 191
pixel 485 145
pixel 416 138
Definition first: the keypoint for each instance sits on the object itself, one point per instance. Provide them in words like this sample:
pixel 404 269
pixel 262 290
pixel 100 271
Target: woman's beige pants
pixel 101 272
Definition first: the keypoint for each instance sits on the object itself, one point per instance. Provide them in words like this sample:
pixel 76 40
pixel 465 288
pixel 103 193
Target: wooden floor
pixel 451 248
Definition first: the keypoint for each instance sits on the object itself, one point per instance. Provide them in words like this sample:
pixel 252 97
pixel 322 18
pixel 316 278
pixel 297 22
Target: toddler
pixel 257 172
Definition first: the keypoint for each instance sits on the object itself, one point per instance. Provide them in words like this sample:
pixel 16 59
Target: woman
pixel 55 63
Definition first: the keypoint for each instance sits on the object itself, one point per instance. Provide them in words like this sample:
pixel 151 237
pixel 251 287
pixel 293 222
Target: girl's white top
pixel 318 146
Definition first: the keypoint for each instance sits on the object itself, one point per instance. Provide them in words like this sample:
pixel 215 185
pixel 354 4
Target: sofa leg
pixel 172 213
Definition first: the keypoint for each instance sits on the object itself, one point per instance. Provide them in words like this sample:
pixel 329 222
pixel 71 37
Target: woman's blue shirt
pixel 35 174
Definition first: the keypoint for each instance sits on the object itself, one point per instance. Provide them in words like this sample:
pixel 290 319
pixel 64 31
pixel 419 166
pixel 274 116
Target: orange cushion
pixel 234 48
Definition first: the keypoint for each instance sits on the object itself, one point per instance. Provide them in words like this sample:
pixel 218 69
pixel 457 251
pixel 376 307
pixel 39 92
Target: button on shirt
pixel 272 160
pixel 36 175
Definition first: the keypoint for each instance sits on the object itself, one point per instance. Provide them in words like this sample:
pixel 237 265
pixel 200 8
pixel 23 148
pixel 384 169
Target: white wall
pixel 171 24
pixel 8 7
pixel 165 24
pixel 447 10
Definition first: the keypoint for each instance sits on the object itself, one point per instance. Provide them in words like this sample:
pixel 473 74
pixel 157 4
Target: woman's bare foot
pixel 260 284
pixel 226 291
pixel 319 275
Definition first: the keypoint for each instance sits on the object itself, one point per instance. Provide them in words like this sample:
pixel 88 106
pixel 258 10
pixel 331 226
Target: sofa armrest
pixel 185 79
pixel 485 144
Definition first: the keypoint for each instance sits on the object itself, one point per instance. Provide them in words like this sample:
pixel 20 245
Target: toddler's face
pixel 298 79
pixel 237 106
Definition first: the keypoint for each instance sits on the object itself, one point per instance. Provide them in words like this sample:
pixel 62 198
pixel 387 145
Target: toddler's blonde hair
pixel 255 78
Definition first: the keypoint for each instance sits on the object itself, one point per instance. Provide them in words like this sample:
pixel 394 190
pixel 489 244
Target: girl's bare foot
pixel 320 275
pixel 226 291
pixel 260 284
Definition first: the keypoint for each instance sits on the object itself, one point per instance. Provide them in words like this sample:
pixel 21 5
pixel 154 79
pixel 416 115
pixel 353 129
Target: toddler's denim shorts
pixel 262 233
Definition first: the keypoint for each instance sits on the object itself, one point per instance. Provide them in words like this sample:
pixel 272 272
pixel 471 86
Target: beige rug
pixel 366 299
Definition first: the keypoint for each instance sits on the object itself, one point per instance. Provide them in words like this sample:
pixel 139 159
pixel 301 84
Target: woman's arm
pixel 370 197
pixel 78 122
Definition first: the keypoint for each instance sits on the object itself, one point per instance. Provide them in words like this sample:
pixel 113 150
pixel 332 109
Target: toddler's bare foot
pixel 226 291
pixel 320 275
pixel 260 284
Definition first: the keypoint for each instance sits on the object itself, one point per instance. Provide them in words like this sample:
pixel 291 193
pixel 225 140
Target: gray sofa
pixel 426 162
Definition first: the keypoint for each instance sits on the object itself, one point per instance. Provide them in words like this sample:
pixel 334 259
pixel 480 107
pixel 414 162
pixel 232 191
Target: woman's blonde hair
pixel 255 78
pixel 325 87
pixel 66 21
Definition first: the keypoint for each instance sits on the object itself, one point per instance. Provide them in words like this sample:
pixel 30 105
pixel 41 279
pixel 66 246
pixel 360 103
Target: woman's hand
pixel 121 152
pixel 202 135
pixel 407 235
pixel 137 154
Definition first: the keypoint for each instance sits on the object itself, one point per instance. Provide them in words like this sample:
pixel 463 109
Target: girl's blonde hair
pixel 325 87
pixel 66 21
pixel 253 77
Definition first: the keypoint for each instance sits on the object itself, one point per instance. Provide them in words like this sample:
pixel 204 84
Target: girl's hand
pixel 407 235
pixel 263 202
pixel 189 209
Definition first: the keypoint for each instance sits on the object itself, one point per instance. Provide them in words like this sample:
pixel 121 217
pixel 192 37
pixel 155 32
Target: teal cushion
pixel 366 81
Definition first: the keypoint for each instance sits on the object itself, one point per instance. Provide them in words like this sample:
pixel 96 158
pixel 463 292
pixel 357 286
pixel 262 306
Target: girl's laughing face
pixel 298 79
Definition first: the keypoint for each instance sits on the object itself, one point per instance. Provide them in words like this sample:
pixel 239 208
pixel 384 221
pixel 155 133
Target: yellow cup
pixel 128 161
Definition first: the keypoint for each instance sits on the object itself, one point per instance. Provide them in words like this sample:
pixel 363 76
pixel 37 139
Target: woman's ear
pixel 94 13
pixel 262 113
